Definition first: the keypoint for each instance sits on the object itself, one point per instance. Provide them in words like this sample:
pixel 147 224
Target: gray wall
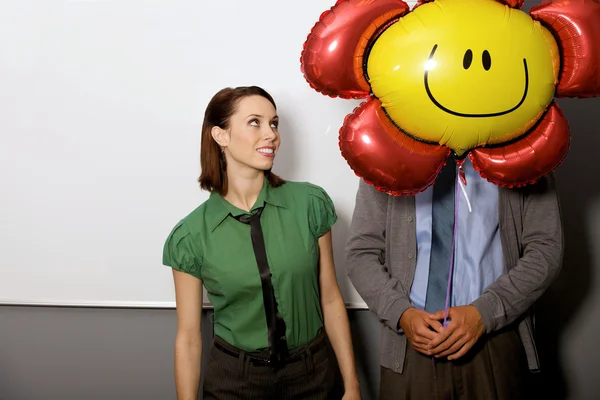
pixel 101 354
pixel 567 316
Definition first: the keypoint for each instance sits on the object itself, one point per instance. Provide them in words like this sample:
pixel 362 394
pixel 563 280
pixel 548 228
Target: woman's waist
pixel 262 356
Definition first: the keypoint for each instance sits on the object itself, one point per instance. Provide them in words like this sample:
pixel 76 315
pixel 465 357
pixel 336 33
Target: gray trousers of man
pixel 495 368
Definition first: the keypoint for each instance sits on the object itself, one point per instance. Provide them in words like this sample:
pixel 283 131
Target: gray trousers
pixel 232 374
pixel 494 369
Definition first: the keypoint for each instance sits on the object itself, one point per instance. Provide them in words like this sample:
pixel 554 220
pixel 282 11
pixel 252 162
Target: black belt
pixel 256 360
pixel 275 323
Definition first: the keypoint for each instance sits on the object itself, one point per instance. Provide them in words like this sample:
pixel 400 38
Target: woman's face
pixel 252 139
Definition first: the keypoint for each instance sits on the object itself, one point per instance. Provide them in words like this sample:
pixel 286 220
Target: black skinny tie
pixel 276 324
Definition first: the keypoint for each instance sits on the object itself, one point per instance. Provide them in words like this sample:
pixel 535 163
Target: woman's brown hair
pixel 222 106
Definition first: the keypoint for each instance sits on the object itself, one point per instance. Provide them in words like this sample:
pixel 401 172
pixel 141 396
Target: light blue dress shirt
pixel 478 257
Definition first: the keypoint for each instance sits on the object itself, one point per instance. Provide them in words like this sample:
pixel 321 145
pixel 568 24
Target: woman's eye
pixel 274 125
pixel 254 122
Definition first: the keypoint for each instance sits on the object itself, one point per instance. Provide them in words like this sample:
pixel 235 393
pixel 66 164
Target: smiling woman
pixel 276 298
pixel 231 110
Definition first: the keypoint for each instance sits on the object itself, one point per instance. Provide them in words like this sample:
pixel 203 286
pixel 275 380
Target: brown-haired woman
pixel 262 248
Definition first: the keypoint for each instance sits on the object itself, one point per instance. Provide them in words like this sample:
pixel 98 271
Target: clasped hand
pixel 426 334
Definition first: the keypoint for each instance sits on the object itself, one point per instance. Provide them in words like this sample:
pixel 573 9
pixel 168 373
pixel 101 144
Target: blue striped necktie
pixel 442 237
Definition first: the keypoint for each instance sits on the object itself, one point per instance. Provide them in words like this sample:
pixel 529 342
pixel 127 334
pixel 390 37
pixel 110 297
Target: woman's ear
pixel 221 136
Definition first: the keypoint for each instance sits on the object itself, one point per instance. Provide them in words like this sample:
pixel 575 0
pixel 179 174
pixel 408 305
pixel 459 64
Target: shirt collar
pixel 219 208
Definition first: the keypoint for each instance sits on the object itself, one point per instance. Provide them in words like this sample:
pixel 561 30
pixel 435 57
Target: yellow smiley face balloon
pixel 445 75
pixel 475 79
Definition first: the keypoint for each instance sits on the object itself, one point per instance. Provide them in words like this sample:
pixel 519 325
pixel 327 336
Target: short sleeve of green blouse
pixel 323 214
pixel 178 251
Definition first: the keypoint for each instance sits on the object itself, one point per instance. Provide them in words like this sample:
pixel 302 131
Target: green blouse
pixel 216 248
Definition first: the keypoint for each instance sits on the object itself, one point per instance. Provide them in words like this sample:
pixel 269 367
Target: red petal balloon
pixel 513 3
pixel 528 159
pixel 332 59
pixel 386 157
pixel 576 25
pixel 421 2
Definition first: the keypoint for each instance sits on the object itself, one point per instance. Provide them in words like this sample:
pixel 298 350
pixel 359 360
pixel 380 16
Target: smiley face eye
pixel 486 59
pixel 467 59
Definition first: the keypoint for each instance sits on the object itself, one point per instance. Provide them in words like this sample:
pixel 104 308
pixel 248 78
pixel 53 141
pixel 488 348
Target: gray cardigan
pixel 381 260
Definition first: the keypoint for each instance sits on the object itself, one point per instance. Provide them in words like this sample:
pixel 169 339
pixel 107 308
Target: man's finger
pixel 421 349
pixel 454 348
pixel 439 315
pixel 419 346
pixel 424 331
pixel 443 335
pixel 462 351
pixel 421 340
pixel 446 344
pixel 435 325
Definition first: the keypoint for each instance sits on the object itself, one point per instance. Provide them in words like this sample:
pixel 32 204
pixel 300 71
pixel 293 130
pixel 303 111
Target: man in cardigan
pixel 482 256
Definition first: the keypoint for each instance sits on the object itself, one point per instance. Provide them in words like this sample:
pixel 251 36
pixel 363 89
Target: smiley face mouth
pixel 459 114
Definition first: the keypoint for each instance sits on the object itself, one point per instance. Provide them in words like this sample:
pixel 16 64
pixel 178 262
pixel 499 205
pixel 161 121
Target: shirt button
pixel 410 255
pixel 397 365
pixel 410 218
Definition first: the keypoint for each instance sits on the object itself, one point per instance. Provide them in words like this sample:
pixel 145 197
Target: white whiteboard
pixel 101 104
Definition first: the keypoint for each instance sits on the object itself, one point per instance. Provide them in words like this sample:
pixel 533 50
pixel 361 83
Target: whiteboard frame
pixel 126 304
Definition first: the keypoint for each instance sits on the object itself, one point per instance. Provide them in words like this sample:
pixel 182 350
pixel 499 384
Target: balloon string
pixel 464 191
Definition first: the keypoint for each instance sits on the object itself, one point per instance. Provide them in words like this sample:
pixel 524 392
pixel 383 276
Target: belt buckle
pixel 258 360
pixel 276 363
